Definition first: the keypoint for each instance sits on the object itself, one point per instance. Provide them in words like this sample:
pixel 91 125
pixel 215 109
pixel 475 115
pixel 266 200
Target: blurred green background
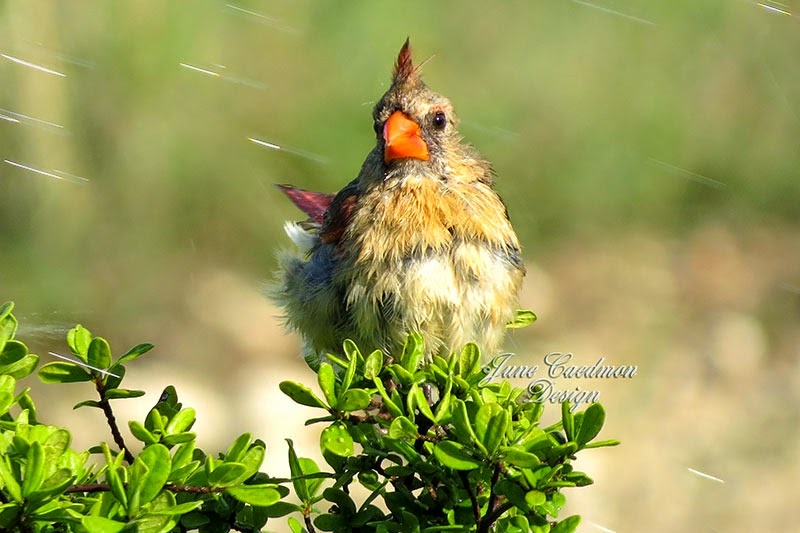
pixel 649 154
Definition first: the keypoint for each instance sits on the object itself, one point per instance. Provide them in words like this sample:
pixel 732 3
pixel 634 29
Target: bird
pixel 418 242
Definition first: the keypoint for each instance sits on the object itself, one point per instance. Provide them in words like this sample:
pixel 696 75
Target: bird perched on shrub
pixel 419 241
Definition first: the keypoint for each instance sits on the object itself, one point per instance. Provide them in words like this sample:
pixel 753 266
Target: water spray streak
pixel 601 528
pixel 704 475
pixel 61 176
pixel 12 116
pixel 81 363
pixel 614 12
pixel 774 9
pixel 694 176
pixel 262 19
pixel 201 70
pixel 301 153
pixel 33 65
pixel 225 77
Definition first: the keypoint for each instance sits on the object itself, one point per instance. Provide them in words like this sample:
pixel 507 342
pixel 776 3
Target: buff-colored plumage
pixel 417 242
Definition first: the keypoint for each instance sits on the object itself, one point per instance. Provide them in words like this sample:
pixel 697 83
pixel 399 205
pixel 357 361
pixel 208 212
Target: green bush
pixel 434 449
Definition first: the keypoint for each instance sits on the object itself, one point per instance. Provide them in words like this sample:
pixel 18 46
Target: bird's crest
pixel 404 69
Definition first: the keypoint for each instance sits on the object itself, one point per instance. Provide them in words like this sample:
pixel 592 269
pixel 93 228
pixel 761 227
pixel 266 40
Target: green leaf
pixel 454 455
pixel 326 377
pixel 296 471
pixel 8 514
pixel 295 525
pixel 114 377
pixel 535 497
pixel 22 368
pixel 400 374
pixel 593 419
pixel 116 394
pixel 491 423
pixel 12 352
pixel 568 421
pixel 258 495
pixel 112 475
pixel 8 327
pixel 402 428
pixel 523 318
pixel 15 360
pixel 602 444
pixel 227 474
pixel 461 422
pixel 34 469
pixel 8 479
pixel 253 459
pixel 230 474
pixel 26 402
pixel 513 492
pixel 280 509
pixel 520 458
pixel 8 384
pixel 392 407
pixel 154 523
pixel 534 439
pixel 98 524
pixel 305 489
pixel 238 448
pixel 140 432
pixel 63 372
pixel 99 353
pixel 5 309
pixel 178 438
pixel 301 394
pixel 332 522
pixel 353 355
pixel 88 403
pixel 419 400
pixel 181 421
pixel 6 401
pixel 443 414
pixel 568 525
pixel 469 360
pixel 579 479
pixel 194 521
pixel 182 473
pixel 78 339
pixel 413 350
pixel 182 455
pixel 373 365
pixel 179 509
pixel 55 484
pixel 314 478
pixel 354 400
pixel 56 444
pixel 134 352
pixel 336 439
pixel 158 462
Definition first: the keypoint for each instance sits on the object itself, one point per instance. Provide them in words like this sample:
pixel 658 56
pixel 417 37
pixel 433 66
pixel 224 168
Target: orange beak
pixel 402 139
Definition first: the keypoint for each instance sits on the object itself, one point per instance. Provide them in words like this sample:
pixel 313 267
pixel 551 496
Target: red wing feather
pixel 313 204
pixel 338 216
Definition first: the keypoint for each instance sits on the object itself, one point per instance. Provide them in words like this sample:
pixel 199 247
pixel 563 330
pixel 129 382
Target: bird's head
pixel 413 124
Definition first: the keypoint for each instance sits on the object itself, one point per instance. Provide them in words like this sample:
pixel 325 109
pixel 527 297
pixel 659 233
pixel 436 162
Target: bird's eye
pixel 439 120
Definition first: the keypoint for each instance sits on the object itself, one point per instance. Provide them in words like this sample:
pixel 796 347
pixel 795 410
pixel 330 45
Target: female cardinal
pixel 419 241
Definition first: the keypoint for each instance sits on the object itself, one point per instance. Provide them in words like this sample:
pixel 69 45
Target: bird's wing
pixel 313 204
pixel 339 212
